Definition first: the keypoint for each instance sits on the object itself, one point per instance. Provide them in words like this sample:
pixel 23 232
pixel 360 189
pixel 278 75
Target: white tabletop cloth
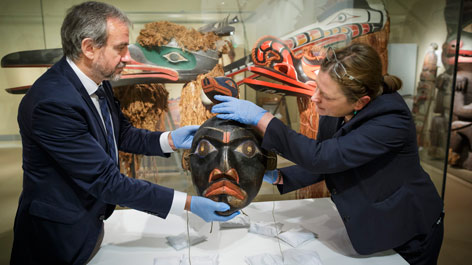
pixel 133 237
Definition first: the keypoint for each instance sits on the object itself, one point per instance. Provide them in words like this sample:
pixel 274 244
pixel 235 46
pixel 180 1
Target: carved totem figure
pixel 438 126
pixel 461 129
pixel 425 92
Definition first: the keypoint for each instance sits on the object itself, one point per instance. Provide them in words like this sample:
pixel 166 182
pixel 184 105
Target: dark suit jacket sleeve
pixel 63 133
pixel 296 177
pixel 361 145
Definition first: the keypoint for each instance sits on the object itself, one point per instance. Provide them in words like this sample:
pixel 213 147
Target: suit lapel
pixel 70 74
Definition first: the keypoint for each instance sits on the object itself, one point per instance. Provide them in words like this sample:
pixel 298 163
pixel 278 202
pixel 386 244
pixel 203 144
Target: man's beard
pixel 115 76
pixel 111 75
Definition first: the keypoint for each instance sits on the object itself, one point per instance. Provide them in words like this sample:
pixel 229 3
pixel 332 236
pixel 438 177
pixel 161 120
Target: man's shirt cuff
pixel 178 203
pixel 164 141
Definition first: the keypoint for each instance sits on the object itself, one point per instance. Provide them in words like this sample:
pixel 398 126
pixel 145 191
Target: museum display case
pixel 178 44
pixel 415 39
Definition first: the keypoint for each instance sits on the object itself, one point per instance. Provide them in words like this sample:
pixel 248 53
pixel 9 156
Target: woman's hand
pixel 242 111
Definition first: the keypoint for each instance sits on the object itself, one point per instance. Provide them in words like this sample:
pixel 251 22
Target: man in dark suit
pixel 72 128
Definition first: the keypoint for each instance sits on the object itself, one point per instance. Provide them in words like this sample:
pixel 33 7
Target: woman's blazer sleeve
pixel 296 177
pixel 374 133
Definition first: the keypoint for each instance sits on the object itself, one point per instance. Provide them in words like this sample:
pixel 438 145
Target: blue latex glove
pixel 242 111
pixel 205 208
pixel 183 136
pixel 271 176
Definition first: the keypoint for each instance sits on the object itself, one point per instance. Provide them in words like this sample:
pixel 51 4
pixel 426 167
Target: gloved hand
pixel 183 136
pixel 242 111
pixel 205 208
pixel 271 176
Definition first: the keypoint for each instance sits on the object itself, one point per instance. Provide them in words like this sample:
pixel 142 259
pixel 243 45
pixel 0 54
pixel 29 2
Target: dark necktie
pixel 107 119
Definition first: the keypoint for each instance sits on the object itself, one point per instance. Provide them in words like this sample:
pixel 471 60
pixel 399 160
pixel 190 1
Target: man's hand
pixel 182 137
pixel 206 209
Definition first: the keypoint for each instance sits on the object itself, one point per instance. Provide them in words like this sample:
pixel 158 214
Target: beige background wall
pixel 21 29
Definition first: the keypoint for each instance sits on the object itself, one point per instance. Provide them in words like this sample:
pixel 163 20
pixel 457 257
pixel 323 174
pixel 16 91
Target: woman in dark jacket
pixel 366 151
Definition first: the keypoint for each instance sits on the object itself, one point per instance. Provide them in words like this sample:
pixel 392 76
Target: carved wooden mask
pixel 227 162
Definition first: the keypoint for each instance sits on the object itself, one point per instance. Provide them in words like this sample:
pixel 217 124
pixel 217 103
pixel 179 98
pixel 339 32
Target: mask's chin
pixel 230 200
pixel 234 203
pixel 227 192
pixel 227 213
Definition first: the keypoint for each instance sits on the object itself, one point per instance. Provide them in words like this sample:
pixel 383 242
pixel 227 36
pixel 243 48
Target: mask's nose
pixel 225 168
pixel 225 164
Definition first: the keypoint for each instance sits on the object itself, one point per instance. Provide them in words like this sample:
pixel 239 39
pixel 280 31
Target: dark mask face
pixel 228 163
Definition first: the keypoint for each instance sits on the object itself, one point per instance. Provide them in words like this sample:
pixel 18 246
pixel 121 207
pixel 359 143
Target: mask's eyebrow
pixel 226 134
pixel 215 129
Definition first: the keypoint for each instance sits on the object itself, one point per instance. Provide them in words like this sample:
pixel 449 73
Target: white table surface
pixel 133 237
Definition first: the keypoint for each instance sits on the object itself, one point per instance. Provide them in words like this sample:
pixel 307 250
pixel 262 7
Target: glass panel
pixel 424 34
pixel 415 38
pixel 459 155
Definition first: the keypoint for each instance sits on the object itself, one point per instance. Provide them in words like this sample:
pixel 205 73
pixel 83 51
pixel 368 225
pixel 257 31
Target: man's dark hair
pixel 87 20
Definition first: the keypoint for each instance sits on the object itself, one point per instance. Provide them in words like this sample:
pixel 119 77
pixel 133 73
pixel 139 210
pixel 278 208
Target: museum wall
pixel 21 28
pixel 419 22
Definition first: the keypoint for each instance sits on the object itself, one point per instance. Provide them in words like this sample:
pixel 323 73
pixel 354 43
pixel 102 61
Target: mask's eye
pixel 204 148
pixel 175 57
pixel 341 18
pixel 248 148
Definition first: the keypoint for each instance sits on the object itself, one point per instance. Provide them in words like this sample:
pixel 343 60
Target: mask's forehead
pixel 225 133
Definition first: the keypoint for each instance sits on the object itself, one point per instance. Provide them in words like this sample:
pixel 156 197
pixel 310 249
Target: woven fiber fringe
pixel 145 106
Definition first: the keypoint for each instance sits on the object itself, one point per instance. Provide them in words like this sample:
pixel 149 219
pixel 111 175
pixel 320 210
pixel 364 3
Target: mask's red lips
pixel 223 184
pixel 225 187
